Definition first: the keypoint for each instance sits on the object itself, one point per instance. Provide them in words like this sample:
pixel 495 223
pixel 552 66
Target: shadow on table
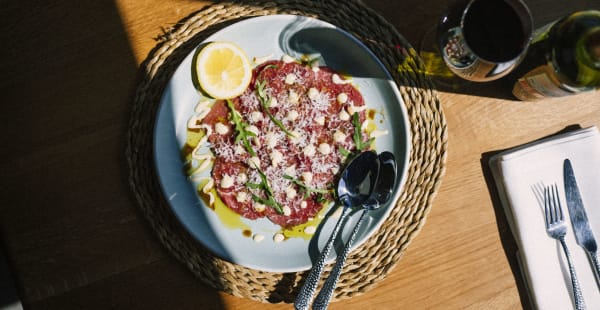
pixel 68 220
pixel 508 241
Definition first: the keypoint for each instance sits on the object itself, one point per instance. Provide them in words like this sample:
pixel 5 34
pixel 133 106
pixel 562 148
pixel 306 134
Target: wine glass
pixel 477 40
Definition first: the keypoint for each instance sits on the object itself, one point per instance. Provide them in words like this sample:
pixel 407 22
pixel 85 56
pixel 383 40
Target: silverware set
pixel 557 228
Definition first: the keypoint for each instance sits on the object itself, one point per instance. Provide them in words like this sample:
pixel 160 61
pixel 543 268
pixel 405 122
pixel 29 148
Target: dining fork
pixel 557 229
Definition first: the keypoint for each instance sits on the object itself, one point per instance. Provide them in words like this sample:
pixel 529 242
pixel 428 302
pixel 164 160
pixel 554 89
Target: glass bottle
pixel 564 59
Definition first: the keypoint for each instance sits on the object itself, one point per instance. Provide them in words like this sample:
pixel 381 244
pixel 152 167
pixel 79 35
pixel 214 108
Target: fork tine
pixel 547 213
pixel 559 206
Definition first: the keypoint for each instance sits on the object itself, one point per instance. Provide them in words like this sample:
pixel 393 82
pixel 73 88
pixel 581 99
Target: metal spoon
pixel 381 194
pixel 354 188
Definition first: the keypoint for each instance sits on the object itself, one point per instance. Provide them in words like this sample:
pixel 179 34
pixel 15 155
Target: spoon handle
pixel 312 280
pixel 322 300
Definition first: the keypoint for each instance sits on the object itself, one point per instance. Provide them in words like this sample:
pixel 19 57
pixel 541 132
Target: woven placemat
pixel 371 262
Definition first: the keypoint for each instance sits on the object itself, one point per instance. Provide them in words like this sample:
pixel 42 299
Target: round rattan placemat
pixel 369 263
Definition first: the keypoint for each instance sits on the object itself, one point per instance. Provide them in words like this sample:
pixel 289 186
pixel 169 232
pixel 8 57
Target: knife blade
pixel 579 221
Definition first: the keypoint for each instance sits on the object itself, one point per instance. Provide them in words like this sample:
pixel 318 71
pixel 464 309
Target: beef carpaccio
pixel 279 147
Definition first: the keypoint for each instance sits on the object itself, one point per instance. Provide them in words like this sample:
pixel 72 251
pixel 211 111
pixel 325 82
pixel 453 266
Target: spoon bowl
pixel 354 188
pixel 358 179
pixel 385 182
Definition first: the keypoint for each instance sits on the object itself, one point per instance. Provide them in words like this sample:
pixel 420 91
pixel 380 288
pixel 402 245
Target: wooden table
pixel 75 238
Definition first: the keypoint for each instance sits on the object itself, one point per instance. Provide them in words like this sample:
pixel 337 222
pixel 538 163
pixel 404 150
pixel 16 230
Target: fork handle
pixel 307 291
pixel 322 300
pixel 578 296
pixel 596 263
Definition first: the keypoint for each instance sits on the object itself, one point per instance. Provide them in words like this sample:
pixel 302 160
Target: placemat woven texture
pixel 369 263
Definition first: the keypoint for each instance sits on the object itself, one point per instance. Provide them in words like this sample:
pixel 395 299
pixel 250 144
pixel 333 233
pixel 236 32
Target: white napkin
pixel 542 259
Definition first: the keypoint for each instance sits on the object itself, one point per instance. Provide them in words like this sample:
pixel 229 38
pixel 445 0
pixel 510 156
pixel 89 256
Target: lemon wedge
pixel 223 70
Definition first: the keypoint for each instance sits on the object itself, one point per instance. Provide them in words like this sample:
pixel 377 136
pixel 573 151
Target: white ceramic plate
pixel 277 35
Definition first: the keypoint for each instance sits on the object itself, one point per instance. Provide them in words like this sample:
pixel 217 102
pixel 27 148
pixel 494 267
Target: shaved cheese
pixel 292 115
pixel 256 116
pixel 276 158
pixel 291 171
pixel 342 98
pixel 339 136
pixel 290 79
pixel 352 109
pixel 278 237
pixel 293 97
pixel 313 93
pixel 242 197
pixel 309 150
pixel 258 207
pixel 307 177
pixel 287 211
pixel 271 140
pixel 310 230
pixel 221 129
pixel 324 148
pixel 254 162
pixel 242 178
pixel 290 193
pixel 227 181
pixel 336 79
pixel 344 116
pixel 253 129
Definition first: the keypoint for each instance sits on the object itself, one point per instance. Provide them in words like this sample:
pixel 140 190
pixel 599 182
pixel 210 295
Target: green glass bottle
pixel 564 59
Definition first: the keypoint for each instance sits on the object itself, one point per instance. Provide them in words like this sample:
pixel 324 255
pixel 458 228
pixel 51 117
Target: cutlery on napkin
pixel 542 262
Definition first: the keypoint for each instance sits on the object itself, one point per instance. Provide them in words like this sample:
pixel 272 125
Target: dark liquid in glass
pixel 494 31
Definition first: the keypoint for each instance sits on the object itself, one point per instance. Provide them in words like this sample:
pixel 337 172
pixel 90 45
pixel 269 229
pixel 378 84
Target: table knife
pixel 579 220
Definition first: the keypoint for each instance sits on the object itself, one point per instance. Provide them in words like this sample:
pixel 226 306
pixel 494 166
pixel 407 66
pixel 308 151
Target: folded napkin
pixel 542 259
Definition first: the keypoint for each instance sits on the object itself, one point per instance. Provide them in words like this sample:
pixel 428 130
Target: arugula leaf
pixel 240 128
pixel 307 190
pixel 264 185
pixel 266 103
pixel 360 144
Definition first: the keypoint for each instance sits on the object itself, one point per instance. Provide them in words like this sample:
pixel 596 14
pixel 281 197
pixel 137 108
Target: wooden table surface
pixel 72 232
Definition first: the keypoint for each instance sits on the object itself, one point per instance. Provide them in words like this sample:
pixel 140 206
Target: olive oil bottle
pixel 563 59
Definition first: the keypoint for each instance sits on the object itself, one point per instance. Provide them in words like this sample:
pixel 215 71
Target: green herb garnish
pixel 307 190
pixel 240 128
pixel 360 144
pixel 307 61
pixel 266 103
pixel 264 185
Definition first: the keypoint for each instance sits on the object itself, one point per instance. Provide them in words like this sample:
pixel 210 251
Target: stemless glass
pixel 483 40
